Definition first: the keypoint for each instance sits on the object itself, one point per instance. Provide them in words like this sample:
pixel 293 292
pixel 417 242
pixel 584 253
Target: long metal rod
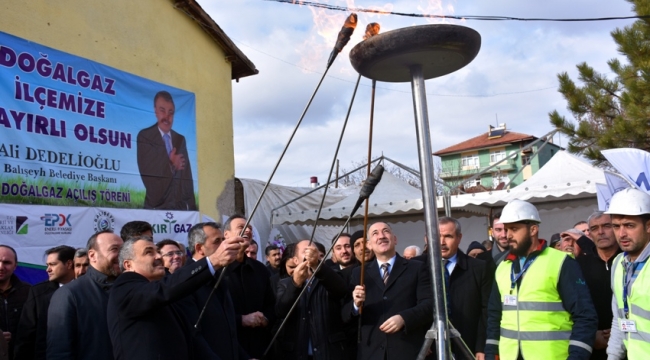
pixel 430 211
pixel 367 204
pixel 295 303
pixel 322 186
pixel 266 186
pixel 336 155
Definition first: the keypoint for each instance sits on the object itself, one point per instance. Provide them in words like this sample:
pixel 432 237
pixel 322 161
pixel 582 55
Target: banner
pixel 615 182
pixel 75 132
pixel 632 164
pixel 32 229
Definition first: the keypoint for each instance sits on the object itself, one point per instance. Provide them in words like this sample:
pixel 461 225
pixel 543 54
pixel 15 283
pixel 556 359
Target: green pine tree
pixel 611 113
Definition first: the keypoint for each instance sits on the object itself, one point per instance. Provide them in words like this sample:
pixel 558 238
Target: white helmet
pixel 629 201
pixel 519 210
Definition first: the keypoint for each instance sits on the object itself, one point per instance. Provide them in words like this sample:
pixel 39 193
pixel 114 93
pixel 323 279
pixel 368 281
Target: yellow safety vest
pixel 638 300
pixel 538 325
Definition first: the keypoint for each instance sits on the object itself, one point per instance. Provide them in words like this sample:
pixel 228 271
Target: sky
pixel 512 80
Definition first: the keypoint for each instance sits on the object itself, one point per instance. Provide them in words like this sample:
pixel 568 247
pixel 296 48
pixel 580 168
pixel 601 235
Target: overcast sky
pixel 514 78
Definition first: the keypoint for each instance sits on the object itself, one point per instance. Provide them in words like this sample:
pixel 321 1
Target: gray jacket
pixel 76 322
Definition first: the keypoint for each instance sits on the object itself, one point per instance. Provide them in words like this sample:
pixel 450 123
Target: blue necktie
pixel 445 262
pixel 168 143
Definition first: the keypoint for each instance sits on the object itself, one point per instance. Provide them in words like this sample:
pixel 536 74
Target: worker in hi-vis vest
pixel 630 335
pixel 540 307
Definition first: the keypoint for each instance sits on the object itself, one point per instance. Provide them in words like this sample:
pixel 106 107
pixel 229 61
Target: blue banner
pixel 74 132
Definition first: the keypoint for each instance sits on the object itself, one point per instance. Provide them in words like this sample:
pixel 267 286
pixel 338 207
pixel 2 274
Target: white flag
pixel 615 182
pixel 604 196
pixel 633 164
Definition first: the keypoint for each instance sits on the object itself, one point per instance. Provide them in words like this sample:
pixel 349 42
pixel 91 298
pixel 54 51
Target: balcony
pixel 457 171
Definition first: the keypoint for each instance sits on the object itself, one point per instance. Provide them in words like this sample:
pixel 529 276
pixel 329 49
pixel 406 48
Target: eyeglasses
pixel 172 253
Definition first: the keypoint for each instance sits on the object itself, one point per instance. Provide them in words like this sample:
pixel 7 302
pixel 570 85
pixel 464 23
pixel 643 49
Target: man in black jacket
pixel 469 288
pixel 13 294
pixel 141 322
pixel 248 281
pixel 215 336
pixel 76 318
pixel 31 336
pixel 397 301
pixel 314 330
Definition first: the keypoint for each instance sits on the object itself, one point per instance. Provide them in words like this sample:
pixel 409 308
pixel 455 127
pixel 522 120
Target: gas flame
pixel 371 30
pixel 327 23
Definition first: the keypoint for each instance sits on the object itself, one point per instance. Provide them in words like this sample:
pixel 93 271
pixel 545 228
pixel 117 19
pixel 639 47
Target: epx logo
pixel 52 220
pixel 57 224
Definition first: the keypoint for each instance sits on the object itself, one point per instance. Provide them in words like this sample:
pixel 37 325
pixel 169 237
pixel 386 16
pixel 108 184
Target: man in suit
pixel 163 161
pixel 31 337
pixel 397 301
pixel 141 322
pixel 249 283
pixel 469 286
pixel 76 318
pixel 215 337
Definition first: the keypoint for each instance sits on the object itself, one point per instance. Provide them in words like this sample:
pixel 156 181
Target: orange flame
pixel 371 30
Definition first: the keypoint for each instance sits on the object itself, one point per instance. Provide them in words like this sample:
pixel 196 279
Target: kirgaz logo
pixel 104 221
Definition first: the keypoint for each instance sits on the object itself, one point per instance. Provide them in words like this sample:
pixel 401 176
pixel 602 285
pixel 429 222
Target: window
pixel 497 155
pixel 470 161
pixel 525 159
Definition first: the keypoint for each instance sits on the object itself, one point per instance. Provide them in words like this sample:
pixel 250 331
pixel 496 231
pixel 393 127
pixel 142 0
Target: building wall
pixel 452 170
pixel 152 39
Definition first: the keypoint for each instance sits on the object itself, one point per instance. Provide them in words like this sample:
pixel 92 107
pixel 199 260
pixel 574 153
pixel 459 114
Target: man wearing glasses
pixel 171 253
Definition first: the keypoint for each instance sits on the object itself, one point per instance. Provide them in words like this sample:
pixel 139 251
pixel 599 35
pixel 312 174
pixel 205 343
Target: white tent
pixel 564 190
pixel 301 199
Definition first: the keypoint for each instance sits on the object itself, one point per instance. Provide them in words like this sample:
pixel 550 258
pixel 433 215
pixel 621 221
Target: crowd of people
pixel 582 295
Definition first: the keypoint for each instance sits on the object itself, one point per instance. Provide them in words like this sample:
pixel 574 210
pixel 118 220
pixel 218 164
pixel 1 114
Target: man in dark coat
pixel 397 301
pixel 470 283
pixel 315 329
pixel 163 161
pixel 249 284
pixel 216 334
pixel 13 294
pixel 141 322
pixel 31 337
pixel 76 318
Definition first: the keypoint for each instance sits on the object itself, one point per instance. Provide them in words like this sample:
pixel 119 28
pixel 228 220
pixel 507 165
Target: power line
pixel 455 17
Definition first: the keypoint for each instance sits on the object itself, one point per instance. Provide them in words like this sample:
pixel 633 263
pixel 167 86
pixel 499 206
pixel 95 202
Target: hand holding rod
pixel 216 284
pixel 365 191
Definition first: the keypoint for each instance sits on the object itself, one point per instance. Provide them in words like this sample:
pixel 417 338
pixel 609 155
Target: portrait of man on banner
pixel 163 161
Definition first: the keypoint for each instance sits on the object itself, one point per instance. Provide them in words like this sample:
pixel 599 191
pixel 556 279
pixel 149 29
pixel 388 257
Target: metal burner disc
pixel 439 48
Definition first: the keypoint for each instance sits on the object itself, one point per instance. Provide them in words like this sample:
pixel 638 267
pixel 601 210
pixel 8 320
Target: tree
pixel 611 113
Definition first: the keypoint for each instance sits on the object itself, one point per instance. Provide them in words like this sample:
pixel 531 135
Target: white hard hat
pixel 629 201
pixel 519 210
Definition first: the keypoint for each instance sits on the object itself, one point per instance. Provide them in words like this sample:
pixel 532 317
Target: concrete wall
pixel 152 39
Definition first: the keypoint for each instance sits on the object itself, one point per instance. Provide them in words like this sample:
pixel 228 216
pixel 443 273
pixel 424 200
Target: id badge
pixel 628 326
pixel 510 300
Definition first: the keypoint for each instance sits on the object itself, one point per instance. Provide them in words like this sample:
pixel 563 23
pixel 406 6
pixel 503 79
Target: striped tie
pixel 385 266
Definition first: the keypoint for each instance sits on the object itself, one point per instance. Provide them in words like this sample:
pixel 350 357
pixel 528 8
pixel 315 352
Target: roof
pixel 241 65
pixel 482 141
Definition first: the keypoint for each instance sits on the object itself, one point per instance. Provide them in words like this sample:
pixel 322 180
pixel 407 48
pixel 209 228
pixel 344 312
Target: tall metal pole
pixel 430 210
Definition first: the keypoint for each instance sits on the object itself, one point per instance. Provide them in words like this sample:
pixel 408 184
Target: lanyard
pixel 514 278
pixel 626 283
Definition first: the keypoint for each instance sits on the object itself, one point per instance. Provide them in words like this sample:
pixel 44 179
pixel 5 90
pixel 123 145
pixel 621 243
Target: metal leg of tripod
pixel 463 352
